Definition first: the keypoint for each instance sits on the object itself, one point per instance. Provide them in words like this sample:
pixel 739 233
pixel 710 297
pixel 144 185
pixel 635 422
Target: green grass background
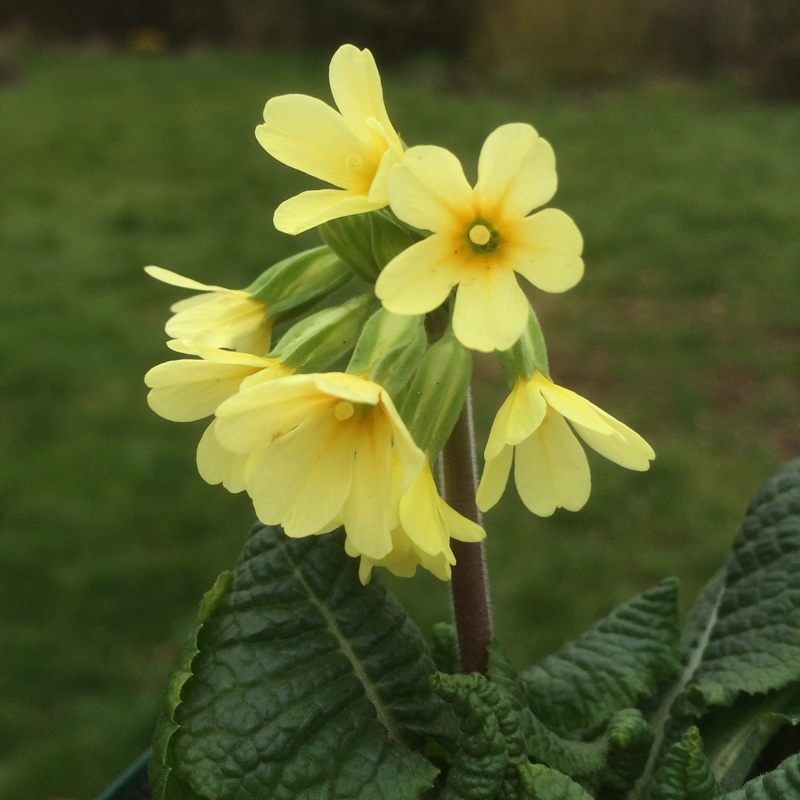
pixel 686 326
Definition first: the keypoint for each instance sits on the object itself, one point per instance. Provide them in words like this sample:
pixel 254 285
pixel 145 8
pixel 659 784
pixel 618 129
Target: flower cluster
pixel 334 414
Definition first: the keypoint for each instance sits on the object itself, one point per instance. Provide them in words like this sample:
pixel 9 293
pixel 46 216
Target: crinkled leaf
pixel 164 783
pixel 685 773
pixel 570 756
pixel 543 783
pixel 613 760
pixel 622 658
pixel 307 685
pixel 492 743
pixel 629 739
pixel 735 735
pixel 444 648
pixel 743 637
pixel 751 641
pixel 783 783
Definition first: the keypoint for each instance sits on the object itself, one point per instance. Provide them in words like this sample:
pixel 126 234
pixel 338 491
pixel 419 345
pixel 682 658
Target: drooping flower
pixel 185 390
pixel 217 317
pixel 323 447
pixel 421 536
pixel 481 236
pixel 550 466
pixel 352 149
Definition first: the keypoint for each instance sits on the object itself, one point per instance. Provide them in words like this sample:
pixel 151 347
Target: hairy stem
pixel 469 588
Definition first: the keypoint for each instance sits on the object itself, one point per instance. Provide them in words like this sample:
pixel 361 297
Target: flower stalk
pixel 469 586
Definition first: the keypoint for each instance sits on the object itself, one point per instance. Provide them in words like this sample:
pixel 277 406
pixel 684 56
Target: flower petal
pixel 173 279
pixel 545 248
pixel 348 387
pixel 551 470
pixel 623 446
pixel 253 419
pixel 527 412
pixel 491 310
pixel 188 389
pixel 494 479
pixel 428 189
pixel 498 434
pixel 219 319
pixel 419 515
pixel 458 526
pixel 420 278
pixel 309 209
pixel 304 478
pixel 516 172
pixel 571 405
pixel 367 517
pixel 356 88
pixel 307 134
pixel 218 465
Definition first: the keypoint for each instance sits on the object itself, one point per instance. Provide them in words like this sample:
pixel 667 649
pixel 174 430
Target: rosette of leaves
pixel 301 683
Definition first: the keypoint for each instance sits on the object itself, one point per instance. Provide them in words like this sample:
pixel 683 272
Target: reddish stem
pixel 469 588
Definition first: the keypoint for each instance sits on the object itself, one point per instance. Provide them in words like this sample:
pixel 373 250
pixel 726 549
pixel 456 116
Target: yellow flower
pixel 185 390
pixel 421 536
pixel 218 317
pixel 322 447
pixel 352 149
pixel 481 236
pixel 551 469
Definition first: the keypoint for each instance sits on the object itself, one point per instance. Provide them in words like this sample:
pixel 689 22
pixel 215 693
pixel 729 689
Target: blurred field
pixel 686 327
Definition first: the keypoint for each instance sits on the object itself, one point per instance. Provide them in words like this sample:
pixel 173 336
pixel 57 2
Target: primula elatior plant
pixel 337 391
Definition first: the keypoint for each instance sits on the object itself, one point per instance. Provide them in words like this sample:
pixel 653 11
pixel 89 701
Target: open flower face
pixel 551 469
pixel 481 236
pixel 217 317
pixel 352 149
pixel 323 445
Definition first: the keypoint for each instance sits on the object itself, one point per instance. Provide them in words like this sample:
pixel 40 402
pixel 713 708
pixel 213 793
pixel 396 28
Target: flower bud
pixel 389 349
pixel 317 341
pixel 436 395
pixel 289 287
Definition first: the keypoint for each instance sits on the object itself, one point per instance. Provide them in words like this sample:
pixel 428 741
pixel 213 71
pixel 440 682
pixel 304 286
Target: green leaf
pixel 610 667
pixel 735 736
pixel 307 685
pixel 685 773
pixel 783 783
pixel 492 743
pixel 743 636
pixel 751 639
pixel 543 783
pixel 164 783
pixel 629 738
pixel 444 647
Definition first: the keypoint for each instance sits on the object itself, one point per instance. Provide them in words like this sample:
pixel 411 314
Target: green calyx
pixel 315 342
pixel 368 242
pixel 389 349
pixel 436 396
pixel 527 355
pixel 291 286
